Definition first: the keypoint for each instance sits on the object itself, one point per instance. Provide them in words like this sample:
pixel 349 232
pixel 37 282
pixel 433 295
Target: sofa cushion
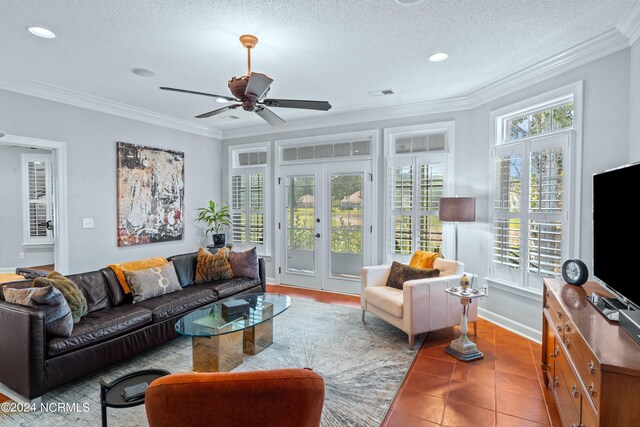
pixel 170 305
pixel 244 264
pixel 152 282
pixel 99 326
pixel 385 298
pixel 213 267
pixel 48 299
pixel 115 290
pixel 140 264
pixel 94 288
pixel 401 273
pixel 228 287
pixel 185 265
pixel 72 294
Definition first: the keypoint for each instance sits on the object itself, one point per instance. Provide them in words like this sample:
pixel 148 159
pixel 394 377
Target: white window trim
pixel 26 232
pixel 574 180
pixel 445 156
pixel 235 169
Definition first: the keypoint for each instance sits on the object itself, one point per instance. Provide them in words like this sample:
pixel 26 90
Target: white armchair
pixel 422 305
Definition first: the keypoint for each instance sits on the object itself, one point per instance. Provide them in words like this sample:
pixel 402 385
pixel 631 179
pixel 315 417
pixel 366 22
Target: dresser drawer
pixel 556 314
pixel 588 418
pixel 585 362
pixel 567 379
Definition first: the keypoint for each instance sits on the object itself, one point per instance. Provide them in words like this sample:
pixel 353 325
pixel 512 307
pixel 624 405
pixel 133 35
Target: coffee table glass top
pixel 210 320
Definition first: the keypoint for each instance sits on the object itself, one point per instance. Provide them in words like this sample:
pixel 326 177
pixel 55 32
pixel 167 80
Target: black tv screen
pixel 616 231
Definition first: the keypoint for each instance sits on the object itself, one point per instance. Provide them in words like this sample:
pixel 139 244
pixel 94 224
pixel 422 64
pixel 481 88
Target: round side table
pixel 111 393
pixel 463 348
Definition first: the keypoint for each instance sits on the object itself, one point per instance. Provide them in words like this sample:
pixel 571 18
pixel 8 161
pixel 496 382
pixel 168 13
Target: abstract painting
pixel 150 195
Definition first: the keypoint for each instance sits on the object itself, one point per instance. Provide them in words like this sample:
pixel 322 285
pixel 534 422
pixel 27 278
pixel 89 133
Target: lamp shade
pixel 460 209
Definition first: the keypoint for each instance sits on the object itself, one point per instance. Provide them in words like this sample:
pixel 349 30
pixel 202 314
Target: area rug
pixel 362 364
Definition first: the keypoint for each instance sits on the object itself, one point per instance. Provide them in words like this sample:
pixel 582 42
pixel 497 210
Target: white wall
pixel 605 145
pixel 91 156
pixel 634 103
pixel 11 221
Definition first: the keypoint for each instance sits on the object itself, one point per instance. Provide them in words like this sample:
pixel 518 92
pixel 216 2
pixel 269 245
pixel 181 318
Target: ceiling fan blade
pixel 258 85
pixel 269 116
pixel 297 103
pixel 198 93
pixel 218 111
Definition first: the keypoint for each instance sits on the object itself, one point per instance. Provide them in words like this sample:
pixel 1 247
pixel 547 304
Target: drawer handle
pixel 559 314
pixel 567 328
pixel 591 367
pixel 576 425
pixel 546 306
pixel 548 294
pixel 556 382
pixel 559 328
pixel 567 342
pixel 574 391
pixel 592 390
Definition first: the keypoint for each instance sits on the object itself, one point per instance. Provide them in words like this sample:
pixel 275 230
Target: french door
pixel 325 225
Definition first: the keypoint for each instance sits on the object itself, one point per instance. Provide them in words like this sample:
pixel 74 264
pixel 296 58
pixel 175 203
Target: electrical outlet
pixel 87 222
pixel 21 255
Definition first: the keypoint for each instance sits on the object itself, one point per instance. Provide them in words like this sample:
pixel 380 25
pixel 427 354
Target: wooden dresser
pixel 591 365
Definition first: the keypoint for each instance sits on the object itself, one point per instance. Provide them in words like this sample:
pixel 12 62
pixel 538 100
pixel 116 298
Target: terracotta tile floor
pixel 504 389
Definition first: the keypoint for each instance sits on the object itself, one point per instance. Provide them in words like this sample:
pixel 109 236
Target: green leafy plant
pixel 215 216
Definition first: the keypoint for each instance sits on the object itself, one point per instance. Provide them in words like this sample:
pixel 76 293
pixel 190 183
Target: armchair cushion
pixel 401 273
pixel 386 298
pixel 423 259
pixel 448 267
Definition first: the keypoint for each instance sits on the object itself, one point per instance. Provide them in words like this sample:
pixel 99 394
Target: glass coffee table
pixel 219 339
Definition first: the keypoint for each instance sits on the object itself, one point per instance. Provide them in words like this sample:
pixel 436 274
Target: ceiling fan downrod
pixel 249 41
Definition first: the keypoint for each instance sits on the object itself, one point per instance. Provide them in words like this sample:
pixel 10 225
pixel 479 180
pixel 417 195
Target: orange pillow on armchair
pixel 423 259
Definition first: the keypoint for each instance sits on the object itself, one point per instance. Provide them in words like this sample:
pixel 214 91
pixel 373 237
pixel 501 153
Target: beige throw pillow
pixel 152 282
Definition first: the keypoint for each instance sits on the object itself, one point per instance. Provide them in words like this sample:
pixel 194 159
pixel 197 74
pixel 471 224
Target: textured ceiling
pixel 334 50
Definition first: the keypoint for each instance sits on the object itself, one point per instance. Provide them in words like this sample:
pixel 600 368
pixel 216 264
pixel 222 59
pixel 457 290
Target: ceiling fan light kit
pixel 249 92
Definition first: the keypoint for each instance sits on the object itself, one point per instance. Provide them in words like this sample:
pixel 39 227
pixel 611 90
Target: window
pixel 38 198
pixel 248 197
pixel 530 196
pixel 415 183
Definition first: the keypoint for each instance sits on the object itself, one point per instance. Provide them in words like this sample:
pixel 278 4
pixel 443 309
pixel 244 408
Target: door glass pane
pixel 346 225
pixel 300 224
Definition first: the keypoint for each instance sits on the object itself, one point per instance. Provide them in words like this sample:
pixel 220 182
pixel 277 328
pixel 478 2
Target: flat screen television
pixel 616 231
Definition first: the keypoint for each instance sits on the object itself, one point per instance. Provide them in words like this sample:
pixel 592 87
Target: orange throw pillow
pixel 423 259
pixel 210 267
pixel 142 264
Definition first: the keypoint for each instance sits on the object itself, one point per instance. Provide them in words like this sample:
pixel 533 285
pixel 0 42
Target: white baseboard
pixel 272 281
pixel 511 325
pixel 8 270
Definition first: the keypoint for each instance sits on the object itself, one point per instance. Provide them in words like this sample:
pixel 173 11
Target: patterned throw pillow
pixel 76 300
pixel 213 267
pixel 401 273
pixel 152 282
pixel 57 314
pixel 244 264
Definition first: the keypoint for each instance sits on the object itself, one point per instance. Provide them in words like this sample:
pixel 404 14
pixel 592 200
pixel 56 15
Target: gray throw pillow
pixel 153 282
pixel 76 300
pixel 244 264
pixel 57 314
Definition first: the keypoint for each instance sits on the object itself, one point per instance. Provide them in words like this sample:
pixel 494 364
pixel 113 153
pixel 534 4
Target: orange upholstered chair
pixel 282 397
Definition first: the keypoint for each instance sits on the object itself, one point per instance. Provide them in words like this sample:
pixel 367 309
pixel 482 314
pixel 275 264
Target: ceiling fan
pixel 250 91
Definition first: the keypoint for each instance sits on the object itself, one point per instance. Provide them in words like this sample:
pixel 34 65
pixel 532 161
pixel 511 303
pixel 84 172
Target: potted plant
pixel 216 217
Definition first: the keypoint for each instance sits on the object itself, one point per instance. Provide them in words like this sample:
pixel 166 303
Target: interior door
pixel 301 227
pixel 325 225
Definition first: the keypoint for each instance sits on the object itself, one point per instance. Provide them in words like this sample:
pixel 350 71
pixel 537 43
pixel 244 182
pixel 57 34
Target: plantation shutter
pixel 238 208
pixel 247 207
pixel 38 195
pixel 256 208
pixel 507 199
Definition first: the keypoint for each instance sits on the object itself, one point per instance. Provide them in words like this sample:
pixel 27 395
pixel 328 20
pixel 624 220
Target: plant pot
pixel 219 240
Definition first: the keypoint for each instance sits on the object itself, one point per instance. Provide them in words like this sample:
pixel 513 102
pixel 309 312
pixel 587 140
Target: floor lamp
pixel 457 209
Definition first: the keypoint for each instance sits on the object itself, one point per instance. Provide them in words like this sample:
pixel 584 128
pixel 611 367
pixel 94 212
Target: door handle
pixel 47 224
pixel 318 235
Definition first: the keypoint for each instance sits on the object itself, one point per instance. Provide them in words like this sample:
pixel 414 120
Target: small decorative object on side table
pixel 463 348
pixel 114 394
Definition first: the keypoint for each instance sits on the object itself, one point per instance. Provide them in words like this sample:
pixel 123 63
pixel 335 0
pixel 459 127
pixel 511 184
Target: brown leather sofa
pixel 32 363
pixel 281 397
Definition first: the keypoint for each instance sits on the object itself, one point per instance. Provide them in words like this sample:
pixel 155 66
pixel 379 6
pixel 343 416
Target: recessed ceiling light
pixel 142 72
pixel 408 2
pixel 41 32
pixel 222 100
pixel 438 57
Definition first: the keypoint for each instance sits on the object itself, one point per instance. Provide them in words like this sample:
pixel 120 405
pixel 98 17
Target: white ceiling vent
pixel 381 92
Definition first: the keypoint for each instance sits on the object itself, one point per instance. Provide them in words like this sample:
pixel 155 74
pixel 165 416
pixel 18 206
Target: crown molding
pixel 630 23
pixel 588 51
pixel 351 116
pixel 103 105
